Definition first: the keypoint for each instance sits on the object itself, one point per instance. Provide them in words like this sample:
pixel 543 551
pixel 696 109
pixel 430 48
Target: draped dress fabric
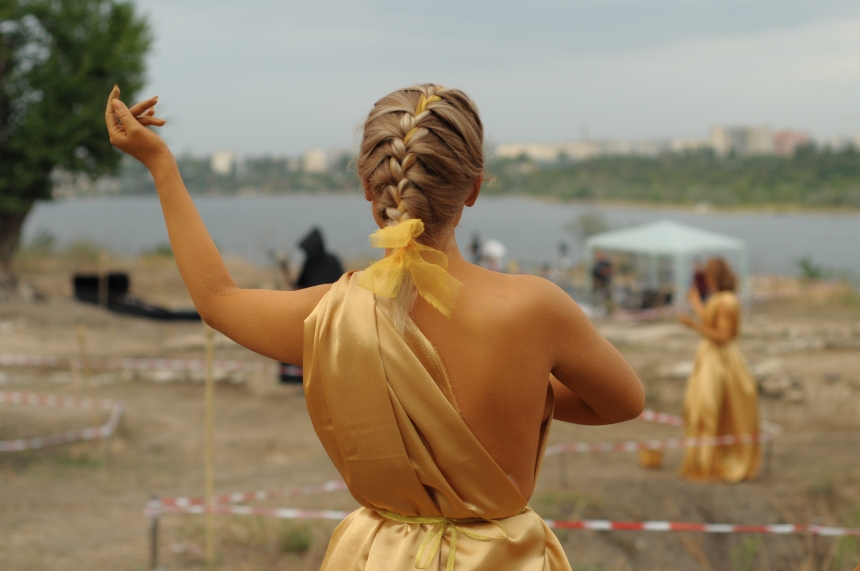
pixel 384 410
pixel 721 399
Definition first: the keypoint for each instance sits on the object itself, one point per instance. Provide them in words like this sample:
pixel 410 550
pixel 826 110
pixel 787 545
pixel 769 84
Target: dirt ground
pixel 80 506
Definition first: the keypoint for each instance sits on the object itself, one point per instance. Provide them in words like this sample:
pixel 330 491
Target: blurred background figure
pixel 699 281
pixel 493 254
pixel 563 262
pixel 721 393
pixel 319 267
pixel 601 279
pixel 475 248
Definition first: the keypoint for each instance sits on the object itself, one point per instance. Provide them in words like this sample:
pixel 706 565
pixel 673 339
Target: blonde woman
pixel 721 394
pixel 430 381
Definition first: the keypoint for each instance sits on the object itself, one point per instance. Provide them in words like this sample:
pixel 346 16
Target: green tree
pixel 58 62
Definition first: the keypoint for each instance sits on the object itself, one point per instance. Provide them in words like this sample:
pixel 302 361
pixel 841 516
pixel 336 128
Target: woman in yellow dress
pixel 721 394
pixel 431 382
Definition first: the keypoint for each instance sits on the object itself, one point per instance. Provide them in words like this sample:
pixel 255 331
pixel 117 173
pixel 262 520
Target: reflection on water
pixel 530 229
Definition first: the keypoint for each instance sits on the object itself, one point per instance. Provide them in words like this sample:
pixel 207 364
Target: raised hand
pixel 693 295
pixel 127 128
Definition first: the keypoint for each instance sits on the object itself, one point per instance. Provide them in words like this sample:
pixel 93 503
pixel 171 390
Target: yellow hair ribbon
pixel 424 101
pixel 427 266
pixel 409 135
pixel 442 525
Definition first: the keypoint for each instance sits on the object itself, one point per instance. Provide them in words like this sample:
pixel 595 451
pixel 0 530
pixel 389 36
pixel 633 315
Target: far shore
pixel 695 208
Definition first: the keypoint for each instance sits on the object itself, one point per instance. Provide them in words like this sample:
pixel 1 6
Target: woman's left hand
pixel 687 320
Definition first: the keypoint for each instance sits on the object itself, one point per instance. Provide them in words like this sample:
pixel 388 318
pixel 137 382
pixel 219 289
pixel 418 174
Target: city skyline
pixel 280 79
pixel 721 139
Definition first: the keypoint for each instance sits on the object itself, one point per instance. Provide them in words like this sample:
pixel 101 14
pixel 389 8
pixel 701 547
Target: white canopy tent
pixel 678 242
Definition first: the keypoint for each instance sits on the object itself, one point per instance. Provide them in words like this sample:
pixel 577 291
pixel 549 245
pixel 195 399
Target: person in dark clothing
pixel 699 281
pixel 320 267
pixel 601 281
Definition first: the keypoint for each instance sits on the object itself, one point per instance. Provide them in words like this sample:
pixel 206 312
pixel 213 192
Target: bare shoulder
pixel 727 301
pixel 538 291
pixel 517 295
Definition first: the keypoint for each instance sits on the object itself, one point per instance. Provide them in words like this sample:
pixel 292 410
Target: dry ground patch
pixel 80 506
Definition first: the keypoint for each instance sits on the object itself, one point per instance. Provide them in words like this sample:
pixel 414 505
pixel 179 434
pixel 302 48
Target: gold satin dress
pixel 431 496
pixel 721 399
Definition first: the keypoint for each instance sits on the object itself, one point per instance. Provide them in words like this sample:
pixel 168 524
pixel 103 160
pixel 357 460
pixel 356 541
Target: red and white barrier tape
pixel 51 400
pixel 31 360
pixel 674 420
pixel 634 445
pixel 778 528
pixel 154 508
pixel 769 431
pixel 241 497
pixel 69 436
pixel 661 418
pixel 131 363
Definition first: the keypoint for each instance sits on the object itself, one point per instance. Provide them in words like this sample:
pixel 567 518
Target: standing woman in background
pixel 721 394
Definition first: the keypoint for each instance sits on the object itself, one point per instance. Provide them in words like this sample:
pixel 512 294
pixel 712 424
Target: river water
pixel 531 229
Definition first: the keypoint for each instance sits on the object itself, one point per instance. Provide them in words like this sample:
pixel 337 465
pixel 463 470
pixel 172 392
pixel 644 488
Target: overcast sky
pixel 274 76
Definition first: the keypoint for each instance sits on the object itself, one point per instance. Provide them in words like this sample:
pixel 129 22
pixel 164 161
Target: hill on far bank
pixel 812 177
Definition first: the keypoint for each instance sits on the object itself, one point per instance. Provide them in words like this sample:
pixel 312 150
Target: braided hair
pixel 421 153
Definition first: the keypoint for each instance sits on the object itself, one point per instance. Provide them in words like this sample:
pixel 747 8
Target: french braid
pixel 421 153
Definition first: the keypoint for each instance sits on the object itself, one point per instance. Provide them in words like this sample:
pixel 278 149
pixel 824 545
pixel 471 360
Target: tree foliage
pixel 812 177
pixel 58 61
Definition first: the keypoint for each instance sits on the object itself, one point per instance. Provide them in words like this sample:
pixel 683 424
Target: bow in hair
pixel 427 266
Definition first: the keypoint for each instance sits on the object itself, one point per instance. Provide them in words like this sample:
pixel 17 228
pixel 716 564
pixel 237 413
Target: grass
pixel 743 555
pixel 294 537
pixel 286 537
pixel 55 461
pixel 847 548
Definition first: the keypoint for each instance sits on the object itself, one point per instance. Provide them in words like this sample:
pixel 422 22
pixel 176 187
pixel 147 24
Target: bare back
pixel 508 335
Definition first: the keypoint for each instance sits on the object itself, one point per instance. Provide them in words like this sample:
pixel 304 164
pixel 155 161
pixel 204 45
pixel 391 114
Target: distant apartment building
pixel 742 141
pixel 226 163
pixel 785 143
pixel 687 145
pixel 315 161
pixel 584 150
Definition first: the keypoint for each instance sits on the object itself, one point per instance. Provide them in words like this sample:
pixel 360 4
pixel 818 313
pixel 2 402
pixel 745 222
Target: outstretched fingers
pixel 144 106
pixel 148 121
pixel 142 113
pixel 128 120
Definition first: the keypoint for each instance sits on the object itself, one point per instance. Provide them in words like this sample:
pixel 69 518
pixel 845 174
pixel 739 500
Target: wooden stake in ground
pixel 103 278
pixel 84 354
pixel 209 444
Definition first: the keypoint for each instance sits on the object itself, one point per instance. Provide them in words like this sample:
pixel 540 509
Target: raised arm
pixel 695 300
pixel 592 381
pixel 723 330
pixel 268 322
